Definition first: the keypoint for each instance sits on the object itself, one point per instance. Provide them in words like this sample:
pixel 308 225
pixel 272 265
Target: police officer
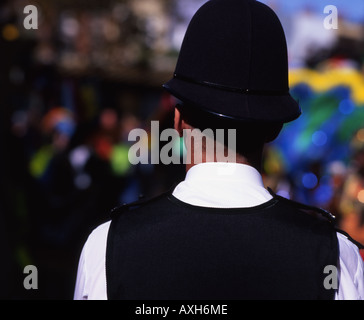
pixel 220 234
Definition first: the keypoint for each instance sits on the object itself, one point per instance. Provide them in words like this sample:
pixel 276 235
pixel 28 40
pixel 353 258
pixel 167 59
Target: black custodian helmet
pixel 233 63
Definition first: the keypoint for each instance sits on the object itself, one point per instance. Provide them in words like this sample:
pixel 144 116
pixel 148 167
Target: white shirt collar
pixel 222 185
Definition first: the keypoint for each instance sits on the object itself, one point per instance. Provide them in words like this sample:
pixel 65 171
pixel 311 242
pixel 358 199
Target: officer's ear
pixel 178 122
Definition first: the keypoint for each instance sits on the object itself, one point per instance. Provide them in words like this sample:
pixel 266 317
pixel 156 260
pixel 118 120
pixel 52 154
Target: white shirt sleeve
pixel 91 274
pixel 80 291
pixel 351 277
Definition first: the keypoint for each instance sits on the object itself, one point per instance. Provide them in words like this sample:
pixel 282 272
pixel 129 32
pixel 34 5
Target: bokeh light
pixel 361 196
pixel 319 138
pixel 309 180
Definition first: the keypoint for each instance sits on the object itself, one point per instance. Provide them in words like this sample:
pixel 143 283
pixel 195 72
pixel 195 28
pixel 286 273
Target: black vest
pixel 165 249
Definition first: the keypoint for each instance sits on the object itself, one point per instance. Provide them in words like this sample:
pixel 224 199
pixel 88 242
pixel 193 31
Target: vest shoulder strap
pixel 314 211
pixel 138 203
pixel 318 213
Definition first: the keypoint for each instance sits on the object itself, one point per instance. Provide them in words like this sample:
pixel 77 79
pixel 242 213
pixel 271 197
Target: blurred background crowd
pixel 72 90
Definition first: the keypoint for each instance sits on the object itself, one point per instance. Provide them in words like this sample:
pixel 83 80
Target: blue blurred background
pixel 71 91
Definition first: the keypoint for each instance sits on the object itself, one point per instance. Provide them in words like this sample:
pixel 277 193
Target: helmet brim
pixel 237 106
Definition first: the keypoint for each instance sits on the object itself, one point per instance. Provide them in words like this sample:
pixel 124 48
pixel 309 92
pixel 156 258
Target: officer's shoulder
pixel 316 212
pixel 142 202
pixel 319 214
